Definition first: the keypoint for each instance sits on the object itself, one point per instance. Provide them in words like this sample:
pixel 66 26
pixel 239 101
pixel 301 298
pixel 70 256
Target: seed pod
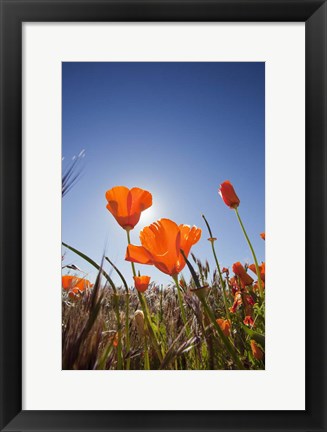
pixel 139 322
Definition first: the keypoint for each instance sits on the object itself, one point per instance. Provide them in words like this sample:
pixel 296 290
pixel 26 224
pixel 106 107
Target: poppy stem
pixel 146 354
pixel 253 254
pixel 181 306
pixel 128 342
pixel 152 334
pixel 129 242
pixel 146 315
pixel 128 360
pixel 222 282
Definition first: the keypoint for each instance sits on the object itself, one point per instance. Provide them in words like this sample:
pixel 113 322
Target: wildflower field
pixel 209 318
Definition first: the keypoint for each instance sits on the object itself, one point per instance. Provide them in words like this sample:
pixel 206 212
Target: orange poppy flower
pixel 239 270
pixel 263 236
pixel 126 205
pixel 228 194
pixel 256 350
pixel 262 269
pixel 73 283
pixel 225 325
pixel 161 245
pixel 141 283
pixel 75 286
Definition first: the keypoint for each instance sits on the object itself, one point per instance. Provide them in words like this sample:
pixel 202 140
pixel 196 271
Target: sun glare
pixel 148 216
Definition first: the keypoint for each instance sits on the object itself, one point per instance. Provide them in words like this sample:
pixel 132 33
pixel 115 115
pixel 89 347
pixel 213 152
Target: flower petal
pixel 162 240
pixel 189 237
pixel 138 254
pixel 117 201
pixel 138 200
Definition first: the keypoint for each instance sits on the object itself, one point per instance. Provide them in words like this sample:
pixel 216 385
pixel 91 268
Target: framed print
pixel 147 337
pixel 164 162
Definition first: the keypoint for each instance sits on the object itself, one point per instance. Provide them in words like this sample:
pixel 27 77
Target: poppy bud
pixel 237 302
pixel 228 194
pixel 115 340
pixel 225 325
pixel 256 351
pixel 141 283
pixel 240 271
pixel 139 321
pixel 248 321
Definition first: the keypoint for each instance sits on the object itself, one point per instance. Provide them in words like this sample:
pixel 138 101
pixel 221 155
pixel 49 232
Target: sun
pixel 148 216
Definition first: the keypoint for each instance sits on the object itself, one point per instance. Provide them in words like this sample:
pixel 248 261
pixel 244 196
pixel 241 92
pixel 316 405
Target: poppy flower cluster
pixel 161 242
pixel 243 287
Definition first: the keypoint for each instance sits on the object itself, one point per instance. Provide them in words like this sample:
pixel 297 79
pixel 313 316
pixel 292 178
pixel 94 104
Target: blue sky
pixel 177 130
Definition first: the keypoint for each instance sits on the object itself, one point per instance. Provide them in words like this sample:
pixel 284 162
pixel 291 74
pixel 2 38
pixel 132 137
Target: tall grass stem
pixel 181 305
pixel 222 282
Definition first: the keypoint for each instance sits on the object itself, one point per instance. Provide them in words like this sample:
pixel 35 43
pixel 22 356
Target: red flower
pixel 228 194
pixel 263 236
pixel 249 300
pixel 248 321
pixel 237 302
pixel 141 283
pixel 239 270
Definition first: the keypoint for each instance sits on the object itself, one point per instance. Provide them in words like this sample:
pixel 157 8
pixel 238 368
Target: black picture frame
pixel 13 14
